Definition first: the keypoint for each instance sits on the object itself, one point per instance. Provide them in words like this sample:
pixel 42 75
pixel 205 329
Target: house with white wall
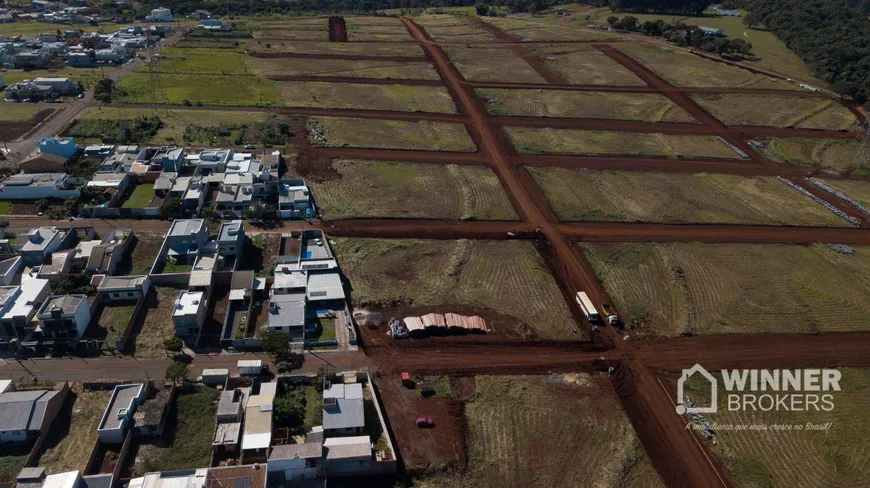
pixel 119 413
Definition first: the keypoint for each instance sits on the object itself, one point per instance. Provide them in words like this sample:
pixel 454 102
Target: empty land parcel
pixel 590 105
pixel 830 155
pixel 341 68
pixel 411 190
pixel 597 142
pixel 339 48
pixel 372 97
pixel 248 91
pixel 508 277
pixel 417 135
pixel 778 111
pixel 678 198
pixel 585 65
pixel 497 63
pixel 673 289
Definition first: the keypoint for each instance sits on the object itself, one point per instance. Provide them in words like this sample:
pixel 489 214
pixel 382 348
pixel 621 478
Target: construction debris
pixel 864 210
pixel 733 147
pixel 842 248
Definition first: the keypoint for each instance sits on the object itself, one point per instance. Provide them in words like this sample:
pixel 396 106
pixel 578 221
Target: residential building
pixel 159 15
pixel 249 476
pixel 150 417
pixel 295 462
pixel 229 420
pixel 43 163
pixel 25 415
pixel 105 257
pixel 40 88
pixel 63 317
pixel 116 181
pixel 164 183
pixel 99 151
pixel 711 31
pixel 190 478
pixel 18 306
pixel 36 478
pixel 287 315
pixel 183 242
pixel 294 200
pixel 235 194
pixel 346 456
pixel 60 146
pixel 189 313
pixel 40 243
pixel 119 413
pixel 123 288
pixel 211 160
pixel 343 412
pixel 257 434
pixel 37 186
pixel 213 25
pixel 56 266
pixel 9 269
pixel 231 238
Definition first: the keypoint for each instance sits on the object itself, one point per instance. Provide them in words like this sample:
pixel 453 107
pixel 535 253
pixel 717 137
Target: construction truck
pixel 610 313
pixel 587 307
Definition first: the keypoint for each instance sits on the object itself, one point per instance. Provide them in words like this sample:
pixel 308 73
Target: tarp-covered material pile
pixel 446 320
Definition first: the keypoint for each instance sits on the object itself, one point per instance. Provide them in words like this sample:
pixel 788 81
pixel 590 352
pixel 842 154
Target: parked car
pixel 425 422
pixel 249 146
pixel 427 391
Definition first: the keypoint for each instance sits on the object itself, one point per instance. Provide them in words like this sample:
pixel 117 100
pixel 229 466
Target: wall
pixel 123 342
pixel 28 193
pixel 385 466
pixel 123 455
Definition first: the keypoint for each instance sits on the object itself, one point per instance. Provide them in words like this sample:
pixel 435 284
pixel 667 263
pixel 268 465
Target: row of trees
pixel 683 35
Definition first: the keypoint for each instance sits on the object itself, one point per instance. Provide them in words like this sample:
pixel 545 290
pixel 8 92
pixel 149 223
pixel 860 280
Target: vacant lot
pixel 534 30
pixel 833 156
pixel 856 190
pixel 156 322
pixel 684 69
pixel 492 64
pixel 142 196
pixel 140 255
pixel 454 29
pixel 342 68
pixel 112 322
pixel 833 457
pixel 412 190
pixel 186 443
pixel 519 435
pixel 581 65
pixel 588 105
pixel 807 113
pixel 368 49
pixel 571 141
pixel 678 198
pixel 301 33
pixel 420 135
pixel 375 97
pixel 509 277
pixel 199 61
pixel 17 119
pixel 74 431
pixel 14 112
pixel 247 91
pixel 672 289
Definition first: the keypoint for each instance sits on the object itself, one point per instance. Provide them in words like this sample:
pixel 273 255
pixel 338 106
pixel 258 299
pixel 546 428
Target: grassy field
pixel 141 197
pixel 519 435
pixel 684 69
pixel 15 112
pixel 374 97
pixel 86 76
pixel 320 34
pixel 5 207
pixel 391 134
pixel 175 121
pixel 186 444
pixel 677 198
pixel 12 460
pixel 854 189
pixel 492 64
pixel 830 155
pixel 506 276
pixel 581 66
pixel 246 91
pixel 543 30
pixel 140 256
pixel 199 61
pixel 776 111
pixel 342 68
pixel 74 431
pixel 112 322
pixel 157 323
pixel 672 289
pixel 369 49
pixel 590 105
pixel 572 141
pixel 395 189
pixel 833 457
pixel 35 28
pixel 454 28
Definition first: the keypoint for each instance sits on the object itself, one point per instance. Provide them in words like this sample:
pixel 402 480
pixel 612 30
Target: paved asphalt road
pixel 79 369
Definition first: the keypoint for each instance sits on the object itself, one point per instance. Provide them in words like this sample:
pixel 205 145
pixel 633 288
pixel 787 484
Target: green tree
pixel 481 8
pixel 173 344
pixel 171 206
pixel 612 20
pixel 176 371
pixel 289 409
pixel 259 212
pixel 275 343
pixel 751 19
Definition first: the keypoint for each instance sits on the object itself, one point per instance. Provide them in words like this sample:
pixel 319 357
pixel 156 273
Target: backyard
pixel 141 196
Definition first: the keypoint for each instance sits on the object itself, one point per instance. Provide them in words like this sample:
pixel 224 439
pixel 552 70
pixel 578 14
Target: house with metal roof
pixel 26 414
pixel 118 415
pixel 346 456
pixel 343 409
pixel 257 434
pixel 295 462
pixel 37 478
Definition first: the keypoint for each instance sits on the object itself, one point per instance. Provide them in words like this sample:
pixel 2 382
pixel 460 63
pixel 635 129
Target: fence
pixel 123 343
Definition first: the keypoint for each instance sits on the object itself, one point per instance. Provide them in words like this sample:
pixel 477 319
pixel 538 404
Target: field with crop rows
pixel 673 289
pixel 411 190
pixel 805 113
pixel 374 97
pixel 572 141
pixel 678 198
pixel 509 277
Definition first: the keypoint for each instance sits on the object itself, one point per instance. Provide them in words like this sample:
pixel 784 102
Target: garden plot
pixel 674 289
pixel 580 65
pixel 373 97
pixel 509 277
pixel 830 155
pixel 592 142
pixel 389 134
pixel 645 107
pixel 341 68
pixel 369 189
pixel 492 64
pixel 677 198
pixel 777 111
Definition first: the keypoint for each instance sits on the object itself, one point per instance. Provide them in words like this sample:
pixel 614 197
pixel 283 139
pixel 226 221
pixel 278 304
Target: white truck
pixel 587 307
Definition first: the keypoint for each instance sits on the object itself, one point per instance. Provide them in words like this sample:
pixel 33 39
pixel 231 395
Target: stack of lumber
pixel 446 320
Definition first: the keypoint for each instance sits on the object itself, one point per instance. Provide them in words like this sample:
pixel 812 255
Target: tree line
pixel 683 34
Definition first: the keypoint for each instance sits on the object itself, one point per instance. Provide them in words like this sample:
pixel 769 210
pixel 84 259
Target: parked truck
pixel 610 313
pixel 587 307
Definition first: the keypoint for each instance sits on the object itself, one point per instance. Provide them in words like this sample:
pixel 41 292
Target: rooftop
pixel 307 450
pixel 121 282
pixel 347 409
pixel 188 303
pixel 325 286
pixel 122 400
pixel 230 402
pixel 230 231
pixel 287 311
pixel 287 277
pixel 38 238
pixel 65 304
pixel 186 227
pixel 34 180
pixel 348 447
pixel 26 300
pixel 24 410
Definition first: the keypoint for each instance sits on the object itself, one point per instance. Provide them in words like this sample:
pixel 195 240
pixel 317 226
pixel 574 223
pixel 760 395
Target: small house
pixel 295 462
pixel 343 412
pixel 123 288
pixel 119 412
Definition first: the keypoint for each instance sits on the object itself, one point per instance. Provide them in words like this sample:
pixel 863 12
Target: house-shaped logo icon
pixel 714 386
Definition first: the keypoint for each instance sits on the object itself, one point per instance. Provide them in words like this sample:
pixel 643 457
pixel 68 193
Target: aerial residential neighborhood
pixel 435 244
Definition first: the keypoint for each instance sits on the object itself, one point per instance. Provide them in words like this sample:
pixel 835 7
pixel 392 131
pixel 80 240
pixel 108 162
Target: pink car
pixel 425 422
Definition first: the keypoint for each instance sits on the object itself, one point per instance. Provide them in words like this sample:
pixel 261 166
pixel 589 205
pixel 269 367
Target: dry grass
pixel 371 49
pixel 677 198
pixel 393 134
pixel 315 34
pixel 581 66
pixel 157 325
pixel 453 28
pixel 374 97
pixel 412 190
pixel 684 69
pixel 572 141
pixel 854 189
pixel 672 289
pixel 588 105
pixel 534 30
pixel 834 156
pixel 492 64
pixel 374 35
pixel 799 458
pixel 777 111
pixel 519 435
pixel 343 68
pixel 509 277
pixel 74 431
